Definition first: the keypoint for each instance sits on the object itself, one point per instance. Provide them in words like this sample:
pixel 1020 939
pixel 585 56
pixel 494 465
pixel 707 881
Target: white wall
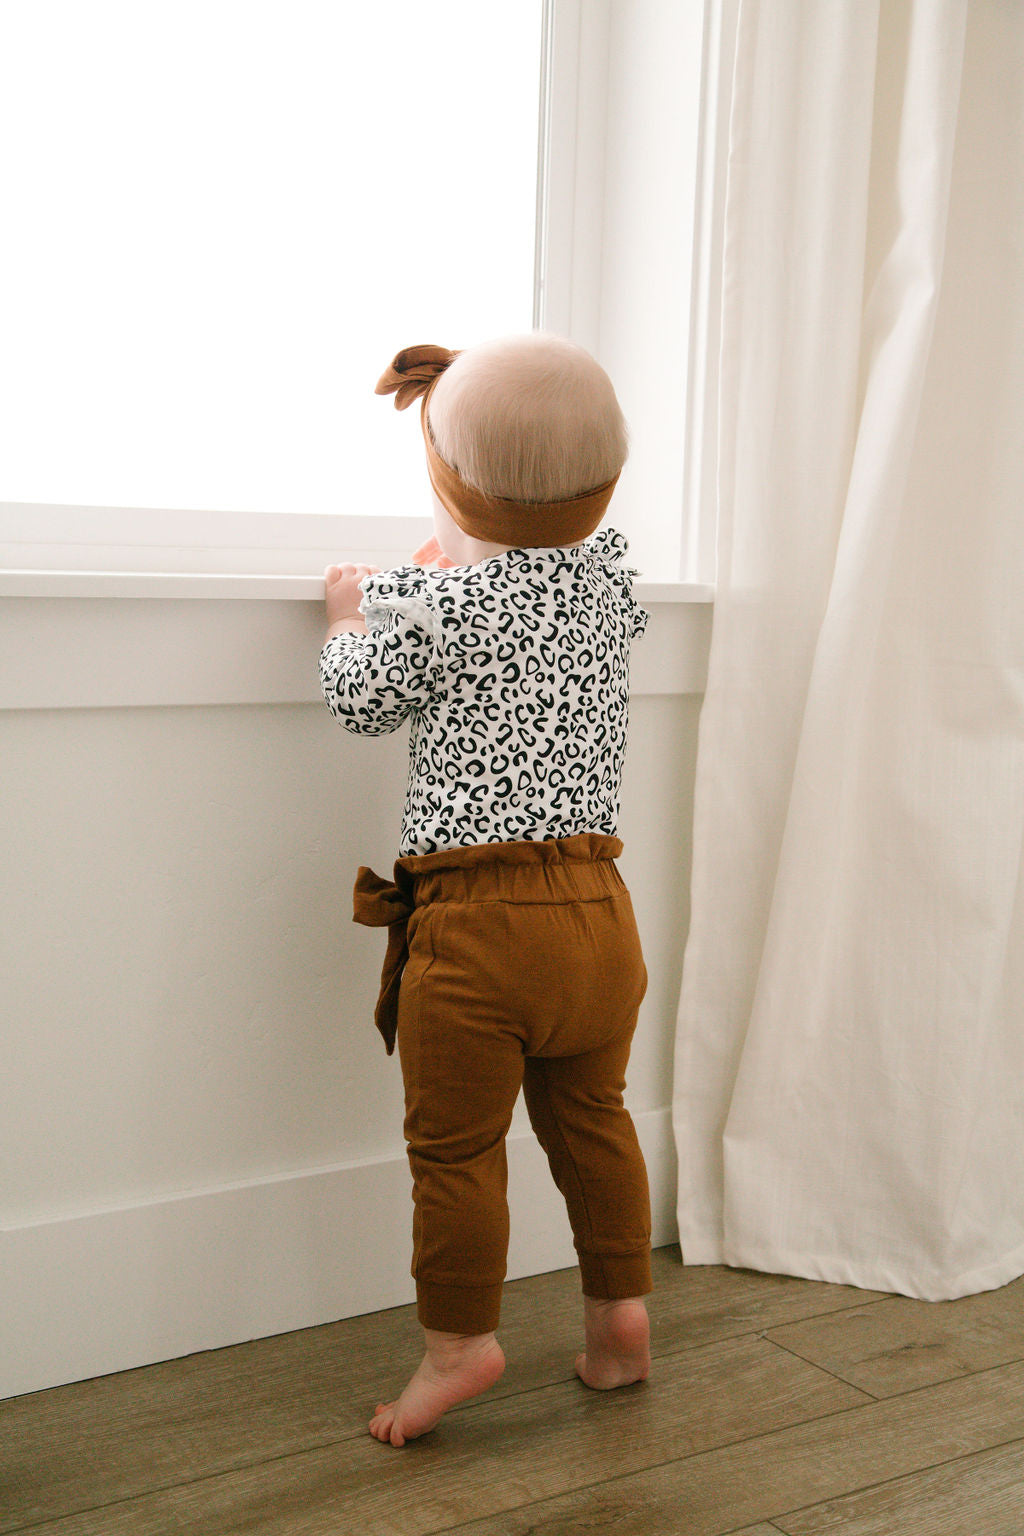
pixel 201 1139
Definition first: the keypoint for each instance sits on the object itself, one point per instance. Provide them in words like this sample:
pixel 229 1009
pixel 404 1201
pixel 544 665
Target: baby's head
pixel 524 440
pixel 529 419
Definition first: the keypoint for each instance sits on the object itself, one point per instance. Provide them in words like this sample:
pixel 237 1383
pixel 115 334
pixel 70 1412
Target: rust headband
pixel 492 519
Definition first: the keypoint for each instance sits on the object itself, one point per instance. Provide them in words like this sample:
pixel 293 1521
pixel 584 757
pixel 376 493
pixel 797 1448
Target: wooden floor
pixel 775 1405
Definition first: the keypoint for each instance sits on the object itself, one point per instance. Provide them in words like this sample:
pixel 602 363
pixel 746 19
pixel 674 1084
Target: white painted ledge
pixel 185 585
pixel 125 639
pixel 180 585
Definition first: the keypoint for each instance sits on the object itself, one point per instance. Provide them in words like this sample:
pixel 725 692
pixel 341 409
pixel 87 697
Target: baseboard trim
pixel 113 1290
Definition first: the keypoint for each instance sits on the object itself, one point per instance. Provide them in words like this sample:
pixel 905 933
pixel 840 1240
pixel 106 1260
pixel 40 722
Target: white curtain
pixel 849 1090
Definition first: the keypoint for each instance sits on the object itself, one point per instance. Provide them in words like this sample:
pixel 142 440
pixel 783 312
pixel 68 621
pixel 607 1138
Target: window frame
pixel 573 213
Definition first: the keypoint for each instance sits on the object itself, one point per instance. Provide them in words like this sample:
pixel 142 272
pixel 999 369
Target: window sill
pixel 127 639
pixel 188 585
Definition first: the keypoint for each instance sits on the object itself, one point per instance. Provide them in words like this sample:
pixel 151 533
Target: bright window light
pixel 222 218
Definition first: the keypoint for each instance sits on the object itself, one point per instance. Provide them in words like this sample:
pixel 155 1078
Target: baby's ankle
pixel 453 1348
pixel 599 1307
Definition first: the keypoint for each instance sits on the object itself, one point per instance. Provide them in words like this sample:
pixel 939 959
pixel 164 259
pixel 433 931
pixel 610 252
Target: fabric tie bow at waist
pixel 380 903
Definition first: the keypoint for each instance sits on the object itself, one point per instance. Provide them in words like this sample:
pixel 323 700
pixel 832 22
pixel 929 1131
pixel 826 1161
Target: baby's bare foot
pixel 455 1366
pixel 618 1343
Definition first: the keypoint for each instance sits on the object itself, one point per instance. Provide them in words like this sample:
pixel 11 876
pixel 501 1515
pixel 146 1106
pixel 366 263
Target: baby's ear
pixel 431 553
pixel 427 552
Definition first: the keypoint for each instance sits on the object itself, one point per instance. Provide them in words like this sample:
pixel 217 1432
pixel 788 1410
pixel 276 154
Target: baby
pixel 513 956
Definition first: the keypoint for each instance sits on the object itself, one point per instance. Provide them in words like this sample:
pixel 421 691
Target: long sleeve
pixel 371 682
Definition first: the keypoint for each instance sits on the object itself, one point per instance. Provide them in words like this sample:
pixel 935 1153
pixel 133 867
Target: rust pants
pixel 524 970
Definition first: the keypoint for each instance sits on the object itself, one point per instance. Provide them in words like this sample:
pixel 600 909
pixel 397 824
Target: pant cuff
pixel 458 1308
pixel 614 1276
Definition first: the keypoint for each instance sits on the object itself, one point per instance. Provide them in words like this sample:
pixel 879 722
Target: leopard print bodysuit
pixel 515 674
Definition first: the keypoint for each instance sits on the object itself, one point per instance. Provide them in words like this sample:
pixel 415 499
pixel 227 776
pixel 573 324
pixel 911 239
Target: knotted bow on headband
pixel 414 372
pixel 492 519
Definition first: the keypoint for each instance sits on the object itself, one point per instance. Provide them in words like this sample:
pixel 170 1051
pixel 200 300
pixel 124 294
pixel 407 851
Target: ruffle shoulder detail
pixel 610 547
pixel 400 593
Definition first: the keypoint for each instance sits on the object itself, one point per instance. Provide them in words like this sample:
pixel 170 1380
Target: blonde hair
pixel 529 418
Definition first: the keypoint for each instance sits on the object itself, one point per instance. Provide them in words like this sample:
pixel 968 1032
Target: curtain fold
pixel 849 1075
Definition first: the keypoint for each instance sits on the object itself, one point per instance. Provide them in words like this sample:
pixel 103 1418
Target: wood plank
pixel 979 1495
pixel 789 1469
pixel 119 1436
pixel 489 1457
pixel 899 1345
pixel 96 1442
pixel 701 1303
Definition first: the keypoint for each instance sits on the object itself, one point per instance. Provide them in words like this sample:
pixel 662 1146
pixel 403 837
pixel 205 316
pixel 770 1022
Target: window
pixel 223 217
pixel 228 214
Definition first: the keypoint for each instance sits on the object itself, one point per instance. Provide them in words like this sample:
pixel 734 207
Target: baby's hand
pixel 431 553
pixel 341 588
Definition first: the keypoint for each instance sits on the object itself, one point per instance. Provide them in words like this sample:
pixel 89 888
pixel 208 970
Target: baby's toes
pixel 382 1422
